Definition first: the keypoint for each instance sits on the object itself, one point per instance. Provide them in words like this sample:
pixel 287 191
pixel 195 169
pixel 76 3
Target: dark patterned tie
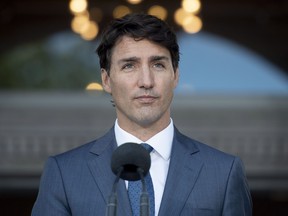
pixel 135 189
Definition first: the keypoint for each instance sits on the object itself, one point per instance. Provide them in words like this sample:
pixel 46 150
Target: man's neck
pixel 143 132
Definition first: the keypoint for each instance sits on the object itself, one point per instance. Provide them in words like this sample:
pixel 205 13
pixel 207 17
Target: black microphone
pixel 130 157
pixel 131 162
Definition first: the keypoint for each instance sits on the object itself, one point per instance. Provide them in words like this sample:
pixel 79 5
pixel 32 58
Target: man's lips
pixel 146 98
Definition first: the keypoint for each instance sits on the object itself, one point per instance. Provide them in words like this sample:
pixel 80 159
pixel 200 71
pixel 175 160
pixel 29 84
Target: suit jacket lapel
pixel 183 172
pixel 99 162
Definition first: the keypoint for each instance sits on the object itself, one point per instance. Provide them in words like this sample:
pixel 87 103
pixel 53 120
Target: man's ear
pixel 105 80
pixel 176 78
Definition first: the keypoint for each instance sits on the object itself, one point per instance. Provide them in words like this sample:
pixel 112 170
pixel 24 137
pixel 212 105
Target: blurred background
pixel 233 90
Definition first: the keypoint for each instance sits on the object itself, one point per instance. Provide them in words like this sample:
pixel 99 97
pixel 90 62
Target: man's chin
pixel 148 120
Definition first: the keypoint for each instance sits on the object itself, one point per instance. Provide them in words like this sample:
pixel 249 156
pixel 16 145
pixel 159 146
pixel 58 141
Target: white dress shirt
pixel 160 156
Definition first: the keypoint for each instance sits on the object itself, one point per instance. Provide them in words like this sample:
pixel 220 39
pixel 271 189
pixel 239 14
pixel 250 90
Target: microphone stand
pixel 129 162
pixel 144 197
pixel 111 209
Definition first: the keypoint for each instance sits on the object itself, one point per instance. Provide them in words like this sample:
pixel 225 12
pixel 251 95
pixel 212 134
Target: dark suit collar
pixel 186 143
pixel 184 169
pixel 104 142
pixel 185 166
pixel 99 162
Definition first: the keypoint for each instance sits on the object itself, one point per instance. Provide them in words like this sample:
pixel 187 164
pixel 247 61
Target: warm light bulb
pixel 78 6
pixel 94 86
pixel 134 1
pixel 158 11
pixel 90 31
pixel 191 6
pixel 192 24
pixel 121 11
pixel 79 22
pixel 180 15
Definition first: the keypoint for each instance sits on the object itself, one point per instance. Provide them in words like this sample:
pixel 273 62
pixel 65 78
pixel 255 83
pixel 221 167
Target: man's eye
pixel 159 65
pixel 127 66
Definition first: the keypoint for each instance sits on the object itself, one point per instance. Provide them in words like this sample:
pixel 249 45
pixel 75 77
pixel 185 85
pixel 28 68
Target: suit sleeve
pixel 237 200
pixel 51 199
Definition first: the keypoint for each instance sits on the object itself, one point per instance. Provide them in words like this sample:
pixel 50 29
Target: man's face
pixel 141 82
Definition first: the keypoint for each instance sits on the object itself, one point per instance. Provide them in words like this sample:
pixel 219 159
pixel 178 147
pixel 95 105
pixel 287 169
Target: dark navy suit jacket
pixel 201 181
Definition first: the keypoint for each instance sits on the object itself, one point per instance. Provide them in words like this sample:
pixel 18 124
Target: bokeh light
pixel 94 86
pixel 158 11
pixel 121 11
pixel 78 6
pixel 191 6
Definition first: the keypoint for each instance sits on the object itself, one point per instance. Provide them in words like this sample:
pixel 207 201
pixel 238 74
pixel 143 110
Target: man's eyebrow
pixel 158 58
pixel 135 59
pixel 130 59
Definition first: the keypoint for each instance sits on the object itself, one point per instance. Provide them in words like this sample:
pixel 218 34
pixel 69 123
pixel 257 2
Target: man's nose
pixel 146 78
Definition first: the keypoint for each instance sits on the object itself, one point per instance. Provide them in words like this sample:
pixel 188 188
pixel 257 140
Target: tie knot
pixel 147 147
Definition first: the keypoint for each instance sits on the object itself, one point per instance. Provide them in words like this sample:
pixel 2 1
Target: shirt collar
pixel 161 142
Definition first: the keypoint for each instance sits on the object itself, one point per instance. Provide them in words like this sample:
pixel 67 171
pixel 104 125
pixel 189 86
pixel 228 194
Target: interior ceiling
pixel 259 25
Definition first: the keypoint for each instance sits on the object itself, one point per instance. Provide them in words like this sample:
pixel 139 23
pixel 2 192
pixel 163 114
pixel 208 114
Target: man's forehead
pixel 128 39
pixel 127 47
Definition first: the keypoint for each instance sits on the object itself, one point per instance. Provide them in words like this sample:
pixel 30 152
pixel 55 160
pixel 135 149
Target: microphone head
pixel 130 157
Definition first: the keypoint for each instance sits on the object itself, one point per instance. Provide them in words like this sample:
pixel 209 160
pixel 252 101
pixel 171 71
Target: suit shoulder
pixel 77 152
pixel 81 152
pixel 206 150
pixel 212 150
pixel 216 159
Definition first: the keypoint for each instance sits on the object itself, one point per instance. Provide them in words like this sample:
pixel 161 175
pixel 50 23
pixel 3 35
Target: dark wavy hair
pixel 137 26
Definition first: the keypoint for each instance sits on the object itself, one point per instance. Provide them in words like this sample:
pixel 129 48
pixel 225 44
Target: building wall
pixel 34 125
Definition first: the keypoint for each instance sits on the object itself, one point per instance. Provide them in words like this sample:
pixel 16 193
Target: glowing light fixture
pixel 90 31
pixel 120 11
pixel 158 11
pixel 180 15
pixel 134 1
pixel 94 86
pixel 191 6
pixel 85 21
pixel 79 22
pixel 78 6
pixel 192 24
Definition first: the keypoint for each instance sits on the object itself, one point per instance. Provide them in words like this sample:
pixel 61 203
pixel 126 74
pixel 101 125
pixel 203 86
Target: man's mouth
pixel 146 98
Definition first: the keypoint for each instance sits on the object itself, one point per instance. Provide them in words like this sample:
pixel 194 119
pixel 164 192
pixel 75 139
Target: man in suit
pixel 139 58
